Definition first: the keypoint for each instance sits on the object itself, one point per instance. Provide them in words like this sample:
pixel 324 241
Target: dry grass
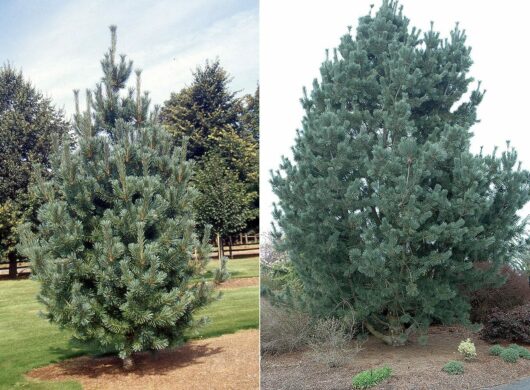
pixel 332 343
pixel 283 330
pixel 329 341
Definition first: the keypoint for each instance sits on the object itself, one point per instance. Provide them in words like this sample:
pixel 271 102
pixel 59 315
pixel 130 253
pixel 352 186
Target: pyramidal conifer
pixel 116 252
pixel 385 210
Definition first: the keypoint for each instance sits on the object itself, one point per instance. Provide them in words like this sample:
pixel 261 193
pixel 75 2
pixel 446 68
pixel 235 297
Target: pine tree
pixel 385 209
pixel 28 124
pixel 109 105
pixel 116 252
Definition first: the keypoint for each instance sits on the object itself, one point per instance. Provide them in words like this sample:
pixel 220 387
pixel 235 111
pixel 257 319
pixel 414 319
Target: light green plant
pixel 453 367
pixel 467 348
pixel 370 378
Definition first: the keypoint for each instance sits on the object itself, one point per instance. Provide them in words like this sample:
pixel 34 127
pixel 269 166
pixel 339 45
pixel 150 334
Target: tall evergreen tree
pixel 207 105
pixel 115 252
pixel 385 209
pixel 28 124
pixel 109 104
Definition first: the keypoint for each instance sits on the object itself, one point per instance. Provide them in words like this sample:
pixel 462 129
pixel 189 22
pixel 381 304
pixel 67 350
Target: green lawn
pixel 28 341
pixel 238 268
pixel 237 309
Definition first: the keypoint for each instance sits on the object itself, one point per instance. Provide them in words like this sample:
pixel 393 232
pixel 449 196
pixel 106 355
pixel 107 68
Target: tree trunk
pixel 12 265
pixel 230 244
pixel 220 250
pixel 395 339
pixel 128 363
pixel 155 354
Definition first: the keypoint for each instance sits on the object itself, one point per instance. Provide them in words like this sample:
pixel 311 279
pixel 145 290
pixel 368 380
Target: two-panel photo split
pixel 264 194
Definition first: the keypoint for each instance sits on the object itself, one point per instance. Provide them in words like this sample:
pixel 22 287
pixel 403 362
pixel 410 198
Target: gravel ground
pixel 414 366
pixel 226 362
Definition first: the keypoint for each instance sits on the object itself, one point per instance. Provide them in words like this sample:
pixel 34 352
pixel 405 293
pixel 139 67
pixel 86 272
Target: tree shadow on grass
pixel 76 348
pixel 146 363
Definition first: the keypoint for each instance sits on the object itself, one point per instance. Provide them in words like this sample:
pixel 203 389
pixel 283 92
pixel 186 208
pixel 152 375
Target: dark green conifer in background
pixel 28 124
pixel 385 210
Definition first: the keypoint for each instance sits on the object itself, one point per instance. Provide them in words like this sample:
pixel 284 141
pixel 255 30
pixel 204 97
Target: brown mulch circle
pixel 414 366
pixel 240 282
pixel 230 361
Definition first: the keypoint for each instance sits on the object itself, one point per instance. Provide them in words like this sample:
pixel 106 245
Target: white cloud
pixel 166 39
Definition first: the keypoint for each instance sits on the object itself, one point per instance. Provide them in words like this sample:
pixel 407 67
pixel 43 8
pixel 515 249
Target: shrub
pixel 268 251
pixel 525 354
pixel 467 348
pixel 221 274
pixel 522 351
pixel 453 368
pixel 512 325
pixel 331 342
pixel 496 350
pixel 369 378
pixel 277 277
pixel 283 330
pixel 513 293
pixel 510 355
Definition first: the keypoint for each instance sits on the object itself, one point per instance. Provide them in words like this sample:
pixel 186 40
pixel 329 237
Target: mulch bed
pixel 414 366
pixel 227 362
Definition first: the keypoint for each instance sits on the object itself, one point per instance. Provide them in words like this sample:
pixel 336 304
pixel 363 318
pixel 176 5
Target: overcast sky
pixel 294 35
pixel 58 43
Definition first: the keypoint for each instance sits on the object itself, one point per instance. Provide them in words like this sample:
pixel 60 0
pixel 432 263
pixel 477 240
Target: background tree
pixel 240 156
pixel 250 115
pixel 223 202
pixel 116 251
pixel 217 122
pixel 204 107
pixel 385 209
pixel 28 123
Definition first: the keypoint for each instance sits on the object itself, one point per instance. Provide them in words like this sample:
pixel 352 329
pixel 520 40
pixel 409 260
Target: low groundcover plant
pixel 510 355
pixel 496 350
pixel 369 378
pixel 453 367
pixel 522 351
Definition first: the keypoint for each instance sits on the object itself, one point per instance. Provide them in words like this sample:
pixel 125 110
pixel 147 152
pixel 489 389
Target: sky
pixel 58 44
pixel 295 34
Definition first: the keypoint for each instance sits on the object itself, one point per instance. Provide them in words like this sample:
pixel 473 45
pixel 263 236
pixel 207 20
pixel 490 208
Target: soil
pixel 239 282
pixel 414 366
pixel 227 362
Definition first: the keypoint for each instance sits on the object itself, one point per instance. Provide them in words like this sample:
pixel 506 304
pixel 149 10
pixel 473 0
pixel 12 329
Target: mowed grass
pixel 238 268
pixel 237 309
pixel 28 341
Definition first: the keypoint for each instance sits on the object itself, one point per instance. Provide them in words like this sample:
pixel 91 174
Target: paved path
pixel 521 384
